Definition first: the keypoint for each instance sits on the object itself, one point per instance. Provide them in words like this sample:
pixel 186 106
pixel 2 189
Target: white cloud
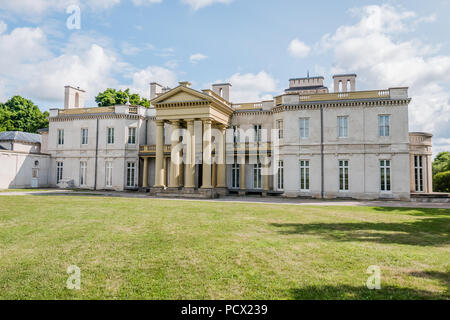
pixel 251 87
pixel 197 57
pixel 371 48
pixel 198 4
pixel 145 2
pixel 298 49
pixel 3 27
pixel 141 79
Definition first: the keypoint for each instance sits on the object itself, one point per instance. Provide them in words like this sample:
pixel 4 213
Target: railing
pixel 152 148
pixel 338 96
pixel 133 110
pixel 251 147
pixel 248 106
pixel 87 110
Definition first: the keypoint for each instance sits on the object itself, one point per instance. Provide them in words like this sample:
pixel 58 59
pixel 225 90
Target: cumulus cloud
pixel 197 57
pixel 372 48
pixel 3 27
pixel 252 87
pixel 141 79
pixel 198 4
pixel 298 49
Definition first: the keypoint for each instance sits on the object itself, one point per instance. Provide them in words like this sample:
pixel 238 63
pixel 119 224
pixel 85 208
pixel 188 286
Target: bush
pixel 441 182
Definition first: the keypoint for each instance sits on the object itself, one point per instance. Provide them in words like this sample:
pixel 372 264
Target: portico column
pixel 175 157
pixel 145 174
pixel 159 171
pixel 190 156
pixel 221 163
pixel 206 154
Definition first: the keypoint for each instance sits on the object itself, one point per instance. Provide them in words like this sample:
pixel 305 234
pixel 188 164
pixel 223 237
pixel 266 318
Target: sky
pixel 256 45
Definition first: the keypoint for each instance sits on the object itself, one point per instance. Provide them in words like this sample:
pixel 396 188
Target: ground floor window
pixel 343 175
pixel 418 173
pixel 131 174
pixel 304 175
pixel 83 172
pixel 59 171
pixel 108 173
pixel 257 176
pixel 385 175
pixel 280 175
pixel 235 175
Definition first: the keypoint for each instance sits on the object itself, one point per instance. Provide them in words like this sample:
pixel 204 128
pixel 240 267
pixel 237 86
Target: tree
pixel 441 163
pixel 20 114
pixel 441 182
pixel 111 97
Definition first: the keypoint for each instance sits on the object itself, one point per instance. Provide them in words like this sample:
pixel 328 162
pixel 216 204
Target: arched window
pixel 349 87
pixel 77 100
pixel 340 85
pixel 221 92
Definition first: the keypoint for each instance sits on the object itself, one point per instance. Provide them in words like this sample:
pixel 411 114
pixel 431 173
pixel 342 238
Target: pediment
pixel 180 94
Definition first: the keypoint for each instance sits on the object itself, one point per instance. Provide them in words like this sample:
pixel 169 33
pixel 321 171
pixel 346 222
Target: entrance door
pixel 35 178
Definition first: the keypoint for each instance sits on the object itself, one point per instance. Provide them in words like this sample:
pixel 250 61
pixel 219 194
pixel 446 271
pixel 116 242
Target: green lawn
pixel 25 190
pixel 162 249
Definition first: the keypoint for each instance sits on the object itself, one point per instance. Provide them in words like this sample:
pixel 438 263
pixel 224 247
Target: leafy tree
pixel 441 182
pixel 111 97
pixel 441 163
pixel 20 114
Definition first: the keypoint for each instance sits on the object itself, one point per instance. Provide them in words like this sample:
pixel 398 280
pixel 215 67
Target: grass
pixel 162 249
pixel 25 190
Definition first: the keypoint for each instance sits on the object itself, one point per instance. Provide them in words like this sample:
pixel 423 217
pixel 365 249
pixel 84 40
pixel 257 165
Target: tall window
pixel 304 175
pixel 304 128
pixel 84 136
pixel 280 127
pixel 343 175
pixel 235 175
pixel 83 172
pixel 132 135
pixel 384 125
pixel 59 171
pixel 418 173
pixel 60 136
pixel 280 175
pixel 257 176
pixel 235 134
pixel 257 128
pixel 108 173
pixel 343 127
pixel 131 174
pixel 385 175
pixel 110 138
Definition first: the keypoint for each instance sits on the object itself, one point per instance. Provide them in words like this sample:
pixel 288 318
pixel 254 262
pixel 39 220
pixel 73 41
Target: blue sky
pixel 255 44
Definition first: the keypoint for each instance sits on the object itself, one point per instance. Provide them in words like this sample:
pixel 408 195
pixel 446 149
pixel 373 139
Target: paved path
pixel 269 200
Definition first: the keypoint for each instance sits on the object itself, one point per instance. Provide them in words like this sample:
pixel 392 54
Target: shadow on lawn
pixel 424 232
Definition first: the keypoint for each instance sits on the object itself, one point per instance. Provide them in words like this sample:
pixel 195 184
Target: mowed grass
pixel 162 249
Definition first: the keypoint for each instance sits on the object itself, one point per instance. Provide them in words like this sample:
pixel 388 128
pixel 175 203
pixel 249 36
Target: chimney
pixel 223 90
pixel 344 82
pixel 155 90
pixel 73 97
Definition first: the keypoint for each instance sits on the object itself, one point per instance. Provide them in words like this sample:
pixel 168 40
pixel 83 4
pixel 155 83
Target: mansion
pixel 306 142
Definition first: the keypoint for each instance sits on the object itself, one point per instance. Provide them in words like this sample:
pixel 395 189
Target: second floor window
pixel 60 136
pixel 343 127
pixel 280 126
pixel 84 136
pixel 257 128
pixel 110 138
pixel 304 128
pixel 131 135
pixel 384 123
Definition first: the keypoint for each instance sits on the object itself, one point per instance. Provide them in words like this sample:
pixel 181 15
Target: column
pixel 429 174
pixel 175 156
pixel 190 156
pixel 159 171
pixel 206 154
pixel 266 175
pixel 221 163
pixel 242 180
pixel 145 174
pixel 214 175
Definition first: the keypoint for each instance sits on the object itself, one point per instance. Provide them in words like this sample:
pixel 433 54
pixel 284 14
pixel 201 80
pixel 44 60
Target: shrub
pixel 441 182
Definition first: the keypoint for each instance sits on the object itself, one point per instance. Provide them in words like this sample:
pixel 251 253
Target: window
pixel 110 139
pixel 343 127
pixel 343 175
pixel 83 173
pixel 384 125
pixel 235 134
pixel 304 128
pixel 304 175
pixel 385 175
pixel 418 173
pixel 280 126
pixel 59 171
pixel 84 136
pixel 235 175
pixel 257 176
pixel 280 175
pixel 108 173
pixel 257 128
pixel 131 174
pixel 131 135
pixel 60 136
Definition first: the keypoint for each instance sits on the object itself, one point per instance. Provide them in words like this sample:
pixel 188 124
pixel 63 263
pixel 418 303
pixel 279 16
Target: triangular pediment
pixel 180 94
